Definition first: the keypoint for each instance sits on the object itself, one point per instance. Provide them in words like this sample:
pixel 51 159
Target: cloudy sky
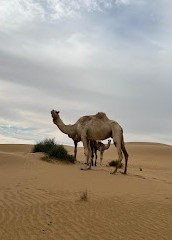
pixel 81 57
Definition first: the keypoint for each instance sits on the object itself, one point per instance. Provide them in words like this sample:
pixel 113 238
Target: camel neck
pixel 107 146
pixel 67 129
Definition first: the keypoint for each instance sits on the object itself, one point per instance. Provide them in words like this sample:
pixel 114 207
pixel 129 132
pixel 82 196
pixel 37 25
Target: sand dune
pixel 41 200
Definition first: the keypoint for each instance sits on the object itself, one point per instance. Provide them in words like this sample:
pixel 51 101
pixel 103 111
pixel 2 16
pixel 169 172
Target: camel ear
pixel 57 112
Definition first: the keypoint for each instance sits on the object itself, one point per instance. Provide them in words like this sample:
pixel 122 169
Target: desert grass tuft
pixel 84 196
pixel 44 146
pixel 53 151
pixel 114 163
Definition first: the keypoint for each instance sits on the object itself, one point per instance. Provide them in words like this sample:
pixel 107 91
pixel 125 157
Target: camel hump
pixel 84 119
pixel 101 115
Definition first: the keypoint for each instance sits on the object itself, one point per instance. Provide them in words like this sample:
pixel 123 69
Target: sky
pixel 81 57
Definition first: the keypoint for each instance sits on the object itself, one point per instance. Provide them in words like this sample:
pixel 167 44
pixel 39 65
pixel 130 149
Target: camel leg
pixel 92 155
pixel 117 134
pixel 84 140
pixel 118 146
pixel 125 155
pixel 96 157
pixel 89 154
pixel 87 151
pixel 75 150
pixel 101 157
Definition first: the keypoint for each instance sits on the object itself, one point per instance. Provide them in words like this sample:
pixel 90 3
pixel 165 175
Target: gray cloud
pixel 111 56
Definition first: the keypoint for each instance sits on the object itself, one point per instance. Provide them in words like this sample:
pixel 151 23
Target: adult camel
pixel 93 128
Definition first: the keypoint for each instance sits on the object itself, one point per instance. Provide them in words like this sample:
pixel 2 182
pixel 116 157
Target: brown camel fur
pixel 92 128
pixel 101 147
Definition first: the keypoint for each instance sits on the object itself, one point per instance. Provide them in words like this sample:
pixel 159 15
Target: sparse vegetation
pixel 44 146
pixel 114 163
pixel 84 196
pixel 52 150
pixel 61 153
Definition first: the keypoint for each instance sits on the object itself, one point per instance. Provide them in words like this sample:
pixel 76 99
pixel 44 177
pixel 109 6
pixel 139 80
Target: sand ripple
pixel 39 200
pixel 37 214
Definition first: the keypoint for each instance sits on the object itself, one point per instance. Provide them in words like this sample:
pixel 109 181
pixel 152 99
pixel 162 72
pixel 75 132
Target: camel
pixel 100 147
pixel 92 128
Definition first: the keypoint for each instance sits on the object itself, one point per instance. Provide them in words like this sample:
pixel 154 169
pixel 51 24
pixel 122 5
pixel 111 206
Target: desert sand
pixel 42 200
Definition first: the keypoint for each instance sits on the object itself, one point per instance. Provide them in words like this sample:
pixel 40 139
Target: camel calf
pixel 101 148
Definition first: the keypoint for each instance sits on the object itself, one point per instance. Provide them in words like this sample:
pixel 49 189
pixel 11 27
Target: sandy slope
pixel 41 200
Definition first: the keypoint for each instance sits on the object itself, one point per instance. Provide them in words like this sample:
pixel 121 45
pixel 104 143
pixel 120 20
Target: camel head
pixel 54 114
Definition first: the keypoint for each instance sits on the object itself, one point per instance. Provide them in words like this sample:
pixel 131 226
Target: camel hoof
pixel 112 172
